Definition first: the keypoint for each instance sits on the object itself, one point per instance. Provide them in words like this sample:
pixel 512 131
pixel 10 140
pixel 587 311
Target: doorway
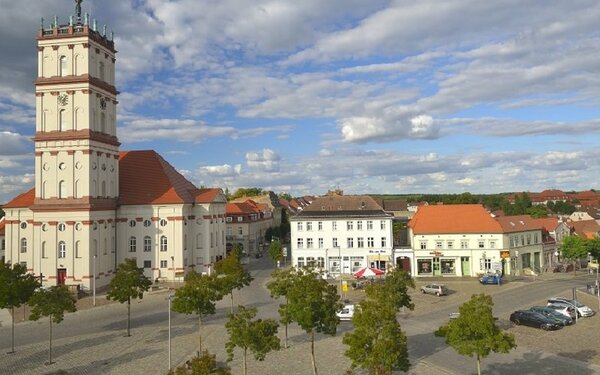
pixel 61 275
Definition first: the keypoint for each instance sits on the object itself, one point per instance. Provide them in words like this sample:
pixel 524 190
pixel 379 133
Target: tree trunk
pixel 285 346
pixel 128 315
pixel 244 364
pixel 13 331
pixel 199 335
pixel 50 351
pixel 478 365
pixel 231 301
pixel 312 352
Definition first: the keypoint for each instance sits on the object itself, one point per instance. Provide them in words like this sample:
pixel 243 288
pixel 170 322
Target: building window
pixel 360 242
pixel 163 264
pixel 438 245
pixel 63 66
pixel 382 223
pixel 229 219
pixel 300 226
pixel 132 244
pixel 464 244
pixel 350 242
pixel 101 70
pixel 147 264
pixel 535 238
pixel 319 225
pixel 448 267
pixel 320 243
pixel 492 244
pixel 370 242
pixel 300 262
pixel 334 225
pixel 24 225
pixel 309 243
pixel 62 120
pixel 62 249
pixel 240 219
pixel 44 255
pixel 481 244
pixel 300 243
pixel 309 225
pixel 163 222
pixel 310 261
pixel 450 244
pixel 62 190
pixel 240 231
pixel 522 240
pixel 23 245
pixel 383 241
pixel 132 223
pixel 147 223
pixel 334 242
pixel 349 225
pixel 487 264
pixel 423 245
pixel 212 240
pixel 359 225
pixel 369 225
pixel 528 239
pixel 199 240
pixel 163 243
pixel 147 244
pixel 62 227
pixel 320 262
pixel 424 266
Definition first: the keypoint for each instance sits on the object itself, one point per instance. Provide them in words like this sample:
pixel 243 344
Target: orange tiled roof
pixel 2 226
pixel 586 228
pixel 455 218
pixel 240 208
pixel 23 200
pixel 518 223
pixel 548 223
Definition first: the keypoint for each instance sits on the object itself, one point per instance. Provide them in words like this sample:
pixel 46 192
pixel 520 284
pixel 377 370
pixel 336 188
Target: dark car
pixel 534 319
pixel 491 279
pixel 552 313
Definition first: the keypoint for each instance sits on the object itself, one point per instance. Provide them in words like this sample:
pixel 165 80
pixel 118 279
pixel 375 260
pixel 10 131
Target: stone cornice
pixel 84 78
pixel 70 135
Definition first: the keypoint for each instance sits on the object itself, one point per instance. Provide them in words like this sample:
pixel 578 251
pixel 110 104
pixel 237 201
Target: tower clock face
pixel 63 99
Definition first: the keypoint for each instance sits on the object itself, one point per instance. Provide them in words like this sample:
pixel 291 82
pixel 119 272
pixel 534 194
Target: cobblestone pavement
pixel 145 352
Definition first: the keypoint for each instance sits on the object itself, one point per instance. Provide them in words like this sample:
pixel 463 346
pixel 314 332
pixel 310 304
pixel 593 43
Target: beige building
pixel 93 206
pixel 247 224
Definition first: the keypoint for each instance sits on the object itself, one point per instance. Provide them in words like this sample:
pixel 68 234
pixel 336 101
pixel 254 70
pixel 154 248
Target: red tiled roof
pixel 23 200
pixel 586 228
pixel 455 218
pixel 2 226
pixel 518 223
pixel 240 208
pixel 548 223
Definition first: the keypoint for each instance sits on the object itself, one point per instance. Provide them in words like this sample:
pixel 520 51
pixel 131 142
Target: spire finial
pixel 78 9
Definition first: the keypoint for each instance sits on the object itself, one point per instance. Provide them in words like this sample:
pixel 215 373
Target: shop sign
pixel 505 254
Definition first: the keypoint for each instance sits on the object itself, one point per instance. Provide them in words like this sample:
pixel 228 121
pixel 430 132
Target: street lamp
pixel 173 265
pixel 170 298
pixel 94 280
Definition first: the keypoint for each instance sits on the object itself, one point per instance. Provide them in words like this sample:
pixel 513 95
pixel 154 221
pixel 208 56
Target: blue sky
pixel 367 96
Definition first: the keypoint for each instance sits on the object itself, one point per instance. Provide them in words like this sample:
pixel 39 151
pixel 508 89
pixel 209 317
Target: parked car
pixel 582 310
pixel 346 313
pixel 437 289
pixel 563 308
pixel 552 313
pixel 534 319
pixel 491 279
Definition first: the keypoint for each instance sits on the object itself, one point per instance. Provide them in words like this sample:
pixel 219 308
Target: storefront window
pixel 424 266
pixel 448 267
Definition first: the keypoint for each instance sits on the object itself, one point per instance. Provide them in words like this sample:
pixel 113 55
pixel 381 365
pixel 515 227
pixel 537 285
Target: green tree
pixel 573 248
pixel 231 275
pixel 394 290
pixel 287 196
pixel 313 304
pixel 16 287
pixel 377 342
pixel 279 286
pixel 474 332
pixel 537 211
pixel 246 192
pixel 276 251
pixel 128 283
pixel 205 364
pixel 197 296
pixel 53 303
pixel 258 336
pixel 593 246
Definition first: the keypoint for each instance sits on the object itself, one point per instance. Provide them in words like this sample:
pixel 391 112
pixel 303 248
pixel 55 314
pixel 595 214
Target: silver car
pixel 582 310
pixel 437 289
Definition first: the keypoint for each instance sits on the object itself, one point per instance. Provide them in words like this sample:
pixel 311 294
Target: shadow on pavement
pixel 104 365
pixel 534 363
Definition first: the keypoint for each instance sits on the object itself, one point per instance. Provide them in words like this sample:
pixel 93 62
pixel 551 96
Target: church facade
pixel 93 205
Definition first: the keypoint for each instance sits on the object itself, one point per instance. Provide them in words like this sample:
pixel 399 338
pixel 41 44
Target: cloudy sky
pixel 367 96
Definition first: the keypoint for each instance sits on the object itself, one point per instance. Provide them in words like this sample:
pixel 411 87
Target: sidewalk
pixel 5 318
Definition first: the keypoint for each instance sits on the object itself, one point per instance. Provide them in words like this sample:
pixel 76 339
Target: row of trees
pixel 574 248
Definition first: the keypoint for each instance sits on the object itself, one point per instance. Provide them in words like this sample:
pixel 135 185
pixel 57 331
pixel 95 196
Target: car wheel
pixel 423 291
pixel 545 327
pixel 437 294
pixel 516 321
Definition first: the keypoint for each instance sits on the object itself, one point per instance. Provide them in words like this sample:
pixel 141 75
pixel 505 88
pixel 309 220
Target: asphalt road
pixel 92 342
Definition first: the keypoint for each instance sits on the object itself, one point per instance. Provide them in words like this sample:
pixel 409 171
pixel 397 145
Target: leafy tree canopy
pixel 197 296
pixel 205 364
pixel 394 290
pixel 573 247
pixel 474 332
pixel 276 251
pixel 16 285
pixel 52 302
pixel 537 211
pixel 247 192
pixel 128 283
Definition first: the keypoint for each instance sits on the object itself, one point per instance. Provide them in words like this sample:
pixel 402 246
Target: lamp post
pixel 173 265
pixel 169 298
pixel 94 280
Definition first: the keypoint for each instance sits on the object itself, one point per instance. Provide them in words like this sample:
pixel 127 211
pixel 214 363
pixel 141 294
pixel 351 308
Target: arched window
pixel 163 243
pixel 104 188
pixel 62 189
pixel 63 66
pixel 23 245
pixel 147 244
pixel 44 190
pixel 101 70
pixel 132 244
pixel 77 248
pixel 62 249
pixel 44 255
pixel 77 192
pixel 96 247
pixel 199 241
pixel 62 120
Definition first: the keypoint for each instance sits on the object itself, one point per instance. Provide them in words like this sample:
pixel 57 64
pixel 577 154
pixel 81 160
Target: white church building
pixel 93 205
